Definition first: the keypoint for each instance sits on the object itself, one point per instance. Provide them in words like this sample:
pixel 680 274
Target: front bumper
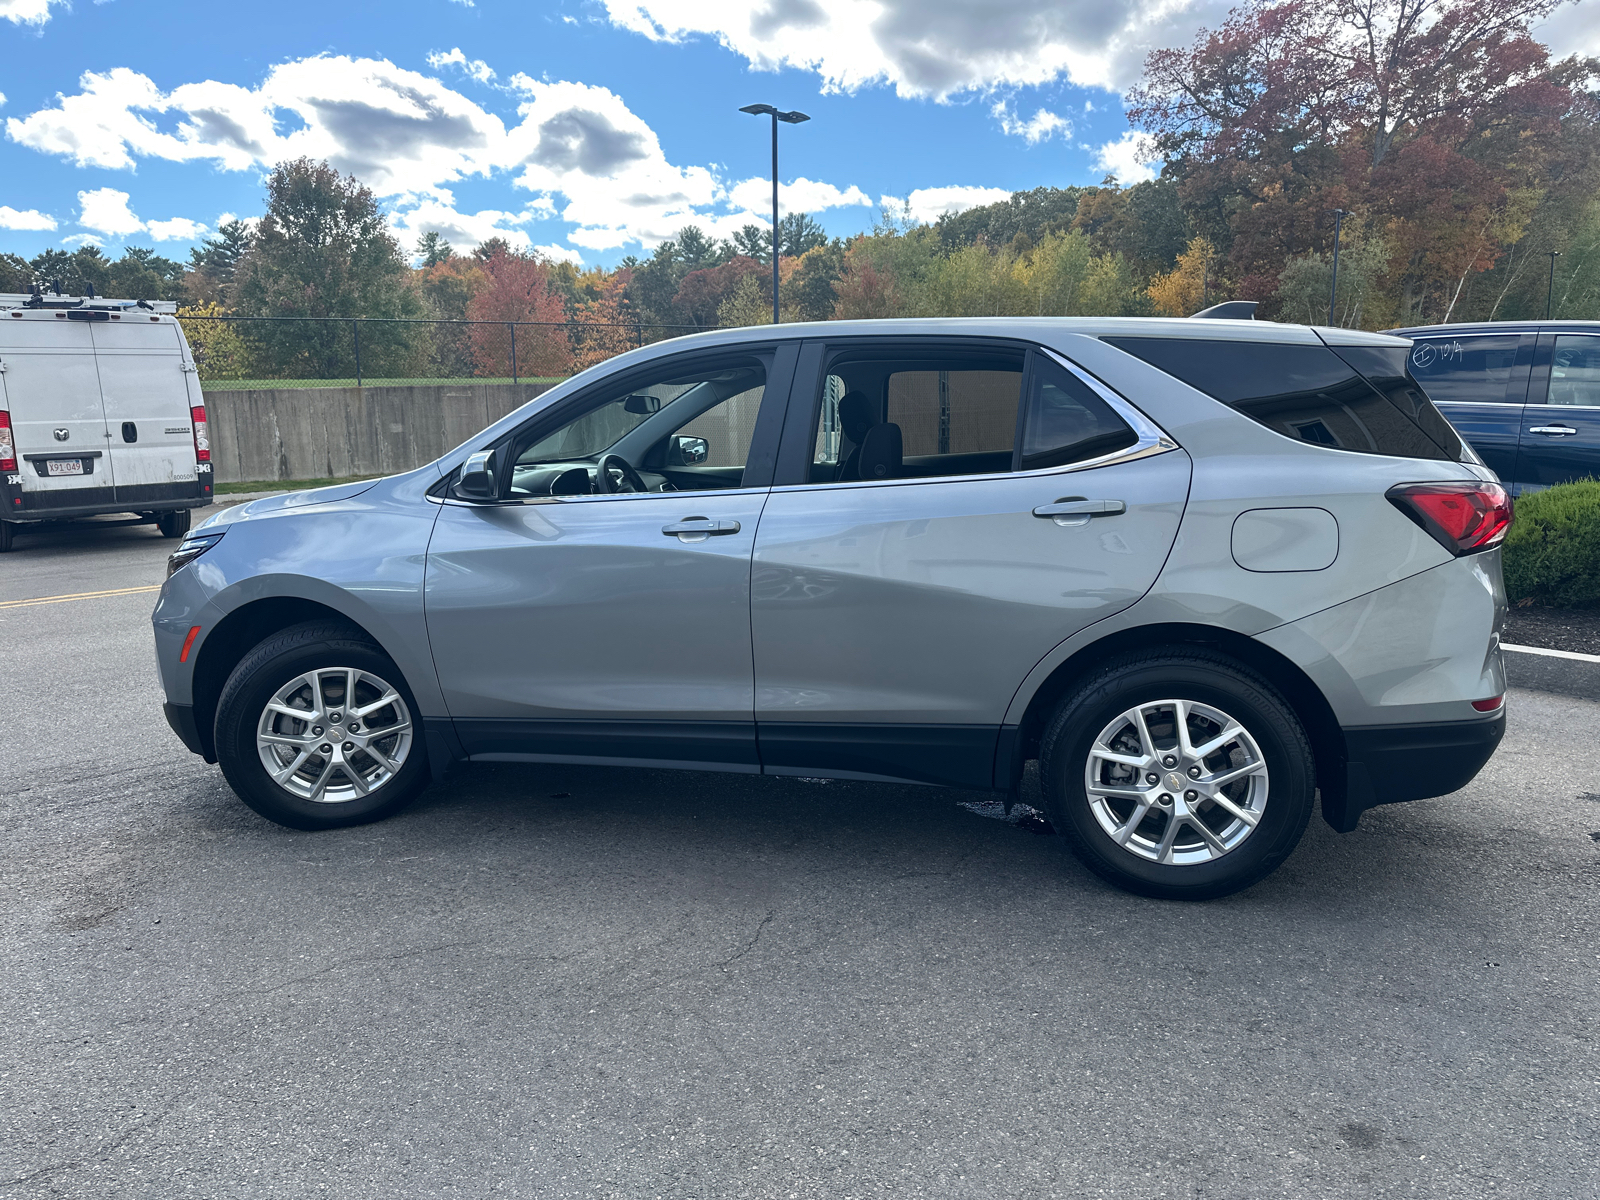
pixel 1389 764
pixel 181 718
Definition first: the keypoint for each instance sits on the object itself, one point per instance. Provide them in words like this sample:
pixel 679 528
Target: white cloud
pixel 82 239
pixel 27 12
pixel 178 229
pixel 1040 127
pixel 933 47
pixel 27 218
pixel 1131 158
pixel 578 150
pixel 105 210
pixel 474 67
pixel 559 254
pixel 929 204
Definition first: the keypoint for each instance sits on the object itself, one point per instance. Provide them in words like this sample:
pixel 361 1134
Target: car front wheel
pixel 1182 775
pixel 317 729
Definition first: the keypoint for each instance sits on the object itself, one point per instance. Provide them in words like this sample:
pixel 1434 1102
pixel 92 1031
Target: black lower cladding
pixel 181 718
pixel 1390 764
pixel 704 743
pixel 959 756
pixel 952 755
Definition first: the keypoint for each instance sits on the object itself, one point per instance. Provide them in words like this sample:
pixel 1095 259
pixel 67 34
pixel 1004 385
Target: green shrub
pixel 1553 550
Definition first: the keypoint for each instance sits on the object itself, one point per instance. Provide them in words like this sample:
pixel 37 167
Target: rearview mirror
pixel 477 478
pixel 688 451
pixel 642 406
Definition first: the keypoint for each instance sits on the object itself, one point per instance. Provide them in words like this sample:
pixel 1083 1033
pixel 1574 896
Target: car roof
pixel 1499 327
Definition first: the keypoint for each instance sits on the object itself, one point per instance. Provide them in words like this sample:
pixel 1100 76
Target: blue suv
pixel 1525 394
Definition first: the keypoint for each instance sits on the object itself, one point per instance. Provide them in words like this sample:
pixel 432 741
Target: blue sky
pixel 590 128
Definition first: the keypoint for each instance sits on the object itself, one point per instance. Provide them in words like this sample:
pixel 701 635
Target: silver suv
pixel 1199 570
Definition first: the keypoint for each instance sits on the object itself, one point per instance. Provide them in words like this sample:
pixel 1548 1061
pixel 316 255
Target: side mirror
pixel 642 406
pixel 688 451
pixel 477 479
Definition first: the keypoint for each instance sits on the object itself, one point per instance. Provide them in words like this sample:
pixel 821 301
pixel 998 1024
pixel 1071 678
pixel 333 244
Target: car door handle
pixel 1075 510
pixel 1554 430
pixel 697 529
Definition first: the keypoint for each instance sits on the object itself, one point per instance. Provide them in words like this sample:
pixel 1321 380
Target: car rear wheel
pixel 7 533
pixel 1182 775
pixel 173 524
pixel 317 729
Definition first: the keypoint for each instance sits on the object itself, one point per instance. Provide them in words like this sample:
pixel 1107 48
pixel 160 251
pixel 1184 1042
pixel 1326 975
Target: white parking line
pixel 1589 658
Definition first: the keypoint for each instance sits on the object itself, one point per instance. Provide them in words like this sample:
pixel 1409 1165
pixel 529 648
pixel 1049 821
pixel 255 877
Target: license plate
pixel 64 466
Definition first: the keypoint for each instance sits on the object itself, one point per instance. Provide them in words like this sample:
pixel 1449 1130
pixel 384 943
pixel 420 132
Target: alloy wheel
pixel 334 734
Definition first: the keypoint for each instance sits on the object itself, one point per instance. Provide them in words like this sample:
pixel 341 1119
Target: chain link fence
pixel 276 352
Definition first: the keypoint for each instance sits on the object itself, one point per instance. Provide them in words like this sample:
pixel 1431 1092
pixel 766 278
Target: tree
pixel 219 351
pixel 142 274
pixel 324 249
pixel 864 292
pixel 75 272
pixel 432 249
pixel 1035 213
pixel 752 241
pixel 749 304
pixel 702 292
pixel 15 273
pixel 798 233
pixel 1181 292
pixel 810 291
pixel 219 256
pixel 518 290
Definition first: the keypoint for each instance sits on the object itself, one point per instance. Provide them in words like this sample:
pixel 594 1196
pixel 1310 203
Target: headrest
pixel 881 452
pixel 855 416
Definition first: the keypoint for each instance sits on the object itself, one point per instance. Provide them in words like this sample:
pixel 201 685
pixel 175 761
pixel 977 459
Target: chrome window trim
pixel 1152 440
pixel 596 497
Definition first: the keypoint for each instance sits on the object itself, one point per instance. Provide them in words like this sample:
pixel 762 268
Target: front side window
pixel 1304 392
pixel 690 431
pixel 1465 370
pixel 1575 371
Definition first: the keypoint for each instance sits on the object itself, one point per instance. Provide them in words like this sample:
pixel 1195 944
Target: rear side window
pixel 1465 370
pixel 1066 422
pixel 1307 393
pixel 1575 371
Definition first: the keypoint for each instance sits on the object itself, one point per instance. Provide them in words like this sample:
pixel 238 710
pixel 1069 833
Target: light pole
pixel 1339 214
pixel 1550 291
pixel 790 118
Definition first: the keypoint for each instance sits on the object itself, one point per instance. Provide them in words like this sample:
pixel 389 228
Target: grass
pixel 281 485
pixel 251 385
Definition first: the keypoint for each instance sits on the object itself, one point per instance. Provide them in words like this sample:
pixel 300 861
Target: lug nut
pixel 335 717
pixel 1194 772
pixel 348 747
pixel 1164 800
pixel 1191 795
pixel 326 749
pixel 1169 761
pixel 1152 778
pixel 316 731
pixel 354 727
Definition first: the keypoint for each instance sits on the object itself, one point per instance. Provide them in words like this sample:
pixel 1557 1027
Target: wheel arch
pixel 1309 704
pixel 235 636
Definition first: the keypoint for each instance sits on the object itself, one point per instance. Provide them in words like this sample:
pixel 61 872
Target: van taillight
pixel 8 448
pixel 202 434
pixel 1462 517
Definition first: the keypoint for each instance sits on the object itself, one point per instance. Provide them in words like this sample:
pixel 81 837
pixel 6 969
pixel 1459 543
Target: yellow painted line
pixel 133 591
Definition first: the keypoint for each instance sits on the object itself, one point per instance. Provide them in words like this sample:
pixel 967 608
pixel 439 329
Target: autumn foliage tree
pixel 518 290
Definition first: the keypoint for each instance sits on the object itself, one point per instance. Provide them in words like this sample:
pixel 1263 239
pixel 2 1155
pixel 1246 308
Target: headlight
pixel 192 548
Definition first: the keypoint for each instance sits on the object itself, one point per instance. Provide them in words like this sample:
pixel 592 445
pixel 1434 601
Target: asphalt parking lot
pixel 552 982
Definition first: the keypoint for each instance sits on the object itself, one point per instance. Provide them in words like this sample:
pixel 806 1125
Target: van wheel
pixel 173 524
pixel 1180 774
pixel 7 533
pixel 317 729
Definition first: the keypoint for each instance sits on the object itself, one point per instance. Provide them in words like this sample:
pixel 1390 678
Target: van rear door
pixel 57 415
pixel 146 391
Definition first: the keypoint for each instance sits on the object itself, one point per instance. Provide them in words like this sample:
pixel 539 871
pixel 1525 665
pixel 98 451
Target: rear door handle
pixel 1554 430
pixel 698 529
pixel 1074 510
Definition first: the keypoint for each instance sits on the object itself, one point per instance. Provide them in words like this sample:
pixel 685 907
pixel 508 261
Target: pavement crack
pixel 369 960
pixel 751 945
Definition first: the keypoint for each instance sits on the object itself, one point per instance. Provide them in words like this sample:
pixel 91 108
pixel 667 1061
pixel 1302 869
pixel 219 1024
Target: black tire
pixel 7 536
pixel 173 524
pixel 317 645
pixel 1286 793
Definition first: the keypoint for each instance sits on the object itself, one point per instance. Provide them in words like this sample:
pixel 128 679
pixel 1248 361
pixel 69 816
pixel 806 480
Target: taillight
pixel 1462 517
pixel 202 434
pixel 8 447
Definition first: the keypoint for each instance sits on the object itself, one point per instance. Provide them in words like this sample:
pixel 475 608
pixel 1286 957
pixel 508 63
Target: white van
pixel 100 412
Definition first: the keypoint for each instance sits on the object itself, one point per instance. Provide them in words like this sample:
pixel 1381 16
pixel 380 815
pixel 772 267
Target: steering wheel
pixel 632 482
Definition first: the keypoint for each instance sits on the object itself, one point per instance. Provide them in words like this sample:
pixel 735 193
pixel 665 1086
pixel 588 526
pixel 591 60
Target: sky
pixel 589 129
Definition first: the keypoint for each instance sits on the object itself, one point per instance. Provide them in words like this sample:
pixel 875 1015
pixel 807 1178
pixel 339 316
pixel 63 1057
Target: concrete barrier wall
pixel 272 434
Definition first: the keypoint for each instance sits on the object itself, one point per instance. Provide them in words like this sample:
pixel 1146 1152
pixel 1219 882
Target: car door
pixel 573 623
pixel 146 395
pixel 1561 423
pixel 57 414
pixel 1479 382
pixel 947 512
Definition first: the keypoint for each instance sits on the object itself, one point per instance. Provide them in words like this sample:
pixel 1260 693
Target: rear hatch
pixel 145 382
pixel 52 388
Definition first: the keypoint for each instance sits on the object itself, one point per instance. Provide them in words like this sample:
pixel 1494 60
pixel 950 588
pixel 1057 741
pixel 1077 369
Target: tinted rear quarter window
pixel 1304 392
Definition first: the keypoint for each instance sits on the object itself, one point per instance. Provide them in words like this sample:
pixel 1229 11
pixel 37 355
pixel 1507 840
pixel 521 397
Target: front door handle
pixel 1554 430
pixel 698 529
pixel 1075 510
